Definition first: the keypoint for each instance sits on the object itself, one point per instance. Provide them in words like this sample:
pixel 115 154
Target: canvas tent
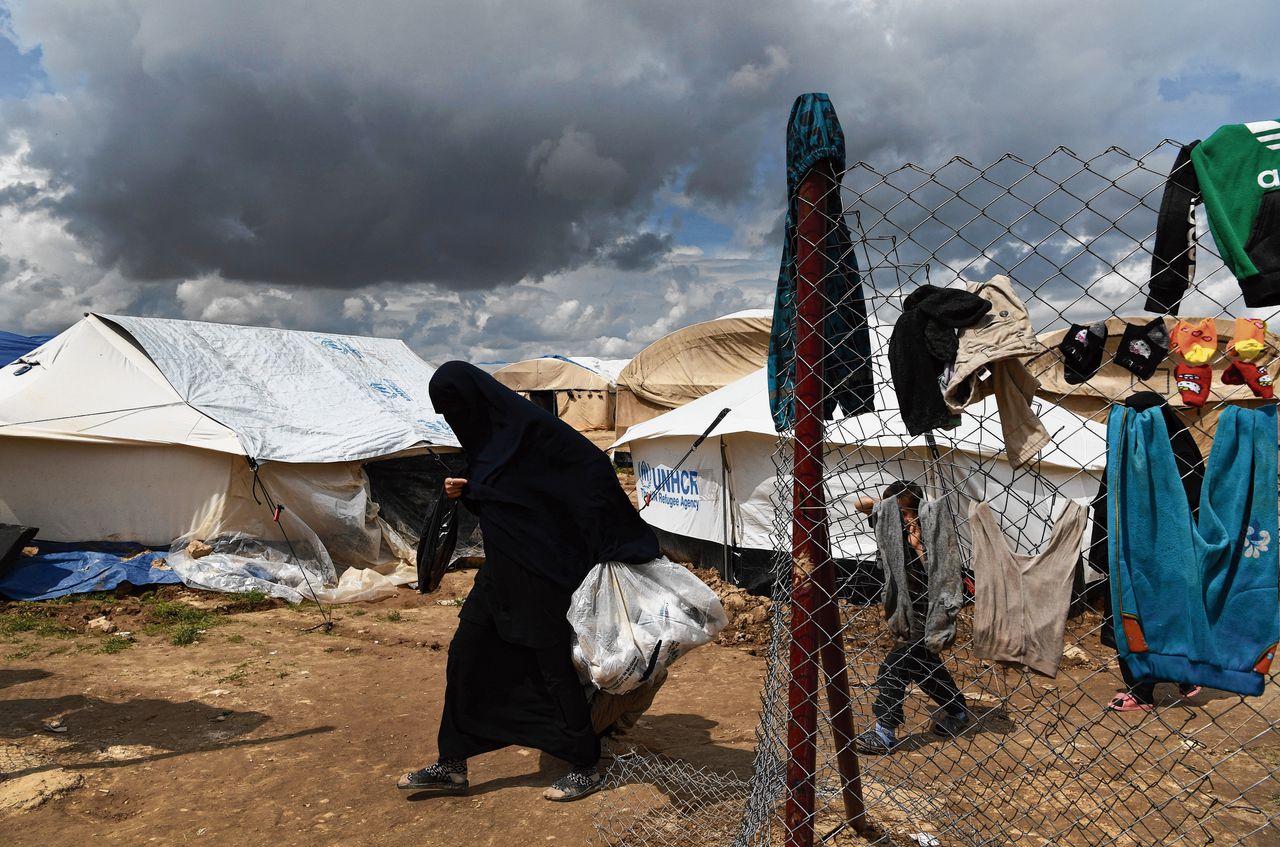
pixel 141 429
pixel 691 362
pixel 579 390
pixel 717 507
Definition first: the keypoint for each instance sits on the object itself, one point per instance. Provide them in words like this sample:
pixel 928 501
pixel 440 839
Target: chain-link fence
pixel 1044 757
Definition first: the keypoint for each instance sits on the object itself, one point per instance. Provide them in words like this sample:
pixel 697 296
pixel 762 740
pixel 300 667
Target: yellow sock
pixel 1197 343
pixel 1250 339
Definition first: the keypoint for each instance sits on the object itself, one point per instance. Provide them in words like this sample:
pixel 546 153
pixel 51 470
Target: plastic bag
pixel 436 543
pixel 631 620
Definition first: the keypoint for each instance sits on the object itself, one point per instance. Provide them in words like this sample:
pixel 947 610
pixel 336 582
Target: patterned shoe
pixel 873 742
pixel 439 778
pixel 575 785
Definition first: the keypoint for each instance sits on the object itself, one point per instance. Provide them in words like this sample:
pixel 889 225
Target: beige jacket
pixel 992 360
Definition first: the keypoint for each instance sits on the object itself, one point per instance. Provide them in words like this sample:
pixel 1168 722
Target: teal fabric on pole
pixel 1195 601
pixel 815 139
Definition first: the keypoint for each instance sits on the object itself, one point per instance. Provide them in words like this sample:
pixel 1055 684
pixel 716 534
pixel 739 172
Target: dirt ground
pixel 262 732
pixel 230 719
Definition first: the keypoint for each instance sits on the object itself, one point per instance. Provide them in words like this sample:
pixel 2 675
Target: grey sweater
pixel 936 627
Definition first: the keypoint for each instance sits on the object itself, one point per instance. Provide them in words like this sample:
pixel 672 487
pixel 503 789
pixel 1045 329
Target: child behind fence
pixel 911 659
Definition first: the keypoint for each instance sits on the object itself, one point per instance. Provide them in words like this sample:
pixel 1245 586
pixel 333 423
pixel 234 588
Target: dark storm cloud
pixel 640 252
pixel 452 156
pixel 474 145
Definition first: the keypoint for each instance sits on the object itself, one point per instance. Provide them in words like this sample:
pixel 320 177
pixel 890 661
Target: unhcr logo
pixel 341 347
pixel 388 388
pixel 677 489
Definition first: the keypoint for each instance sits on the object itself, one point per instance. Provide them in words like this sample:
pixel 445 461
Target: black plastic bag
pixel 436 543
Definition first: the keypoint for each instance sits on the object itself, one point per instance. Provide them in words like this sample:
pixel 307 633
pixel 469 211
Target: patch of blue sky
pixel 20 72
pixel 689 227
pixel 1237 98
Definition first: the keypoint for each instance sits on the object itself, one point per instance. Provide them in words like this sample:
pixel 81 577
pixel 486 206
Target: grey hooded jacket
pixel 910 619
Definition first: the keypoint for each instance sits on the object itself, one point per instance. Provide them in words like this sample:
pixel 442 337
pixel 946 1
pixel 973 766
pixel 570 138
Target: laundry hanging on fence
pixel 1082 348
pixel 922 352
pixel 816 140
pixel 992 358
pixel 1201 606
pixel 1190 466
pixel 1021 599
pixel 1243 350
pixel 1236 174
pixel 1143 347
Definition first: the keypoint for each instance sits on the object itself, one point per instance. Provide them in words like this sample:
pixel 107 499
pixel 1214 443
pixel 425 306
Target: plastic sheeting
pixel 58 570
pixel 14 347
pixel 295 396
pixel 406 489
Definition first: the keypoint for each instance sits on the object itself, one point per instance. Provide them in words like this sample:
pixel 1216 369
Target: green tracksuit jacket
pixel 1236 174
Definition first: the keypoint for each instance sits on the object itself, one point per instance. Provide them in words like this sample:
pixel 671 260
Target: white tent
pixel 722 494
pixel 577 389
pixel 141 429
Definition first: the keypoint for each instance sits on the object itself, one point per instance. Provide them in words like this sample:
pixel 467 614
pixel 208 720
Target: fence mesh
pixel 1044 760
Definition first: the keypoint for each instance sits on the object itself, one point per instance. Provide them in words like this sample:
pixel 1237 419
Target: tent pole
pixel 816 633
pixel 726 516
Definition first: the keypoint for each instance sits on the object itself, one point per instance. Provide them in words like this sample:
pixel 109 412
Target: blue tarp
pixel 62 569
pixel 13 347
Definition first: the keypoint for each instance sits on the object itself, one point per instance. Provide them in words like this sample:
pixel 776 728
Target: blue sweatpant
pixel 1195 602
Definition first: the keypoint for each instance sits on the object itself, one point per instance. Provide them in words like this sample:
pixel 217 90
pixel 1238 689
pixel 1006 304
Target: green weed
pixel 170 613
pixel 237 675
pixel 12 623
pixel 235 638
pixel 115 644
pixel 184 633
pixel 392 616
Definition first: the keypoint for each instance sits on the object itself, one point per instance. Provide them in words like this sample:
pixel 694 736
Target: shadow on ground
pixel 97 733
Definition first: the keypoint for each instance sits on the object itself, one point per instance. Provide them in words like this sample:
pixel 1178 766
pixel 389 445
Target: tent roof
pixel 1077 442
pixel 560 373
pixel 271 394
pixel 685 364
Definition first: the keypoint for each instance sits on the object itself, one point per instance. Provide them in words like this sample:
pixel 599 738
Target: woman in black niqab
pixel 550 508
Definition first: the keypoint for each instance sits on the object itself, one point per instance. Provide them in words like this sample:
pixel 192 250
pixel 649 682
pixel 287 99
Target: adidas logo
pixel 1267 132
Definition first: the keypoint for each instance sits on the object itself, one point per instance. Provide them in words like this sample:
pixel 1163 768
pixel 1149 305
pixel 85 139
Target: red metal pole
pixel 807 505
pixel 815 625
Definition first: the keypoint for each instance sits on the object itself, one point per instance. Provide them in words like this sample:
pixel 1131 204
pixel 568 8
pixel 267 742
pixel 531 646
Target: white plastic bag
pixel 630 620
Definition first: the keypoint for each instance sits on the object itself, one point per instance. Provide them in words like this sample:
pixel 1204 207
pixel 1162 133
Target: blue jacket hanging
pixel 1201 605
pixel 814 138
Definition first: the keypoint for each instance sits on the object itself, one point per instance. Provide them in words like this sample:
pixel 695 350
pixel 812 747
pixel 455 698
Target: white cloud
pixel 754 77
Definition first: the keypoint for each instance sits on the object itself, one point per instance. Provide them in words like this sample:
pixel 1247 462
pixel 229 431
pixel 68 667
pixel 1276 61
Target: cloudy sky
pixel 490 180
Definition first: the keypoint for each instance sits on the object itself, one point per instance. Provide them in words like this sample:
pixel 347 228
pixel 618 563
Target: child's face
pixel 907 505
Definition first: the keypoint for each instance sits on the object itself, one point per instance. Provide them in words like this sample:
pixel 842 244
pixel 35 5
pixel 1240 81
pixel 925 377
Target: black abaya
pixel 550 508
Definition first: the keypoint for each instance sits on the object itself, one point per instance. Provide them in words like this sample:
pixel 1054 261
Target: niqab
pixel 548 499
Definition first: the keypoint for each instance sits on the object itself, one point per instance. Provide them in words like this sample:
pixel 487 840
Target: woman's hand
pixel 453 487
